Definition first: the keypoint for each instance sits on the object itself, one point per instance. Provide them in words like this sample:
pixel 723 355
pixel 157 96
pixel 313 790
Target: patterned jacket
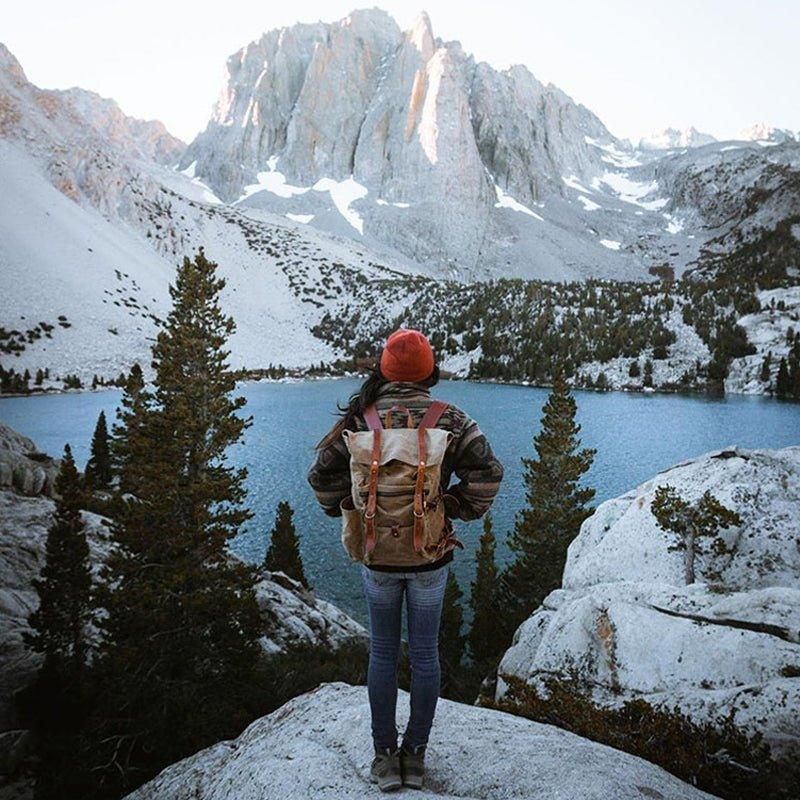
pixel 468 456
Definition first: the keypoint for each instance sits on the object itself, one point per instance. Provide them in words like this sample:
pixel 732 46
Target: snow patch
pixel 673 225
pixel 272 181
pixel 629 190
pixel 611 244
pixel 343 193
pixel 573 182
pixel 304 218
pixel 381 202
pixel 588 205
pixel 506 201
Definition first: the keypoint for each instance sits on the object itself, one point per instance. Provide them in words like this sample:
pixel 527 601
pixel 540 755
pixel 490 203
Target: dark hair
pixel 364 398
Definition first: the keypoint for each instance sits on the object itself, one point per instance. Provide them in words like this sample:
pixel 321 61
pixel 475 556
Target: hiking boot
pixel 385 769
pixel 412 765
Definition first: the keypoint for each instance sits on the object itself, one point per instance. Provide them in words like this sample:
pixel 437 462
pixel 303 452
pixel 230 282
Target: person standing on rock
pixel 385 468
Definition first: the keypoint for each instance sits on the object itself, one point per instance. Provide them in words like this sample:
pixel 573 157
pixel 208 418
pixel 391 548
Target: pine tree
pixel 65 582
pixel 693 523
pixel 556 507
pixel 56 703
pixel 485 639
pixel 283 554
pixel 179 663
pixel 451 640
pixel 130 444
pixel 98 469
pixel 648 373
pixel 766 371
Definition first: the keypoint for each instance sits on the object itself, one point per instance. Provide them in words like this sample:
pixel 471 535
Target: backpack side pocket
pixel 352 529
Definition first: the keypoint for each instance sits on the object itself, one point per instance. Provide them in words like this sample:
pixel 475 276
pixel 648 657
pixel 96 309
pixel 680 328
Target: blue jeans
pixel 424 592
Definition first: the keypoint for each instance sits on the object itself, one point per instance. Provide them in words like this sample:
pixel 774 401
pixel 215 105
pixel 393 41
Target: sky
pixel 641 66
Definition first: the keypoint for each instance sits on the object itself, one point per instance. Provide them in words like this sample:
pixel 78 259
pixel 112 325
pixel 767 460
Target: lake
pixel 636 435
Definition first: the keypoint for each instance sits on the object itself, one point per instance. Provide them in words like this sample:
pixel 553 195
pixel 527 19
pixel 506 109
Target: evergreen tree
pixel 283 553
pixel 485 639
pixel 98 469
pixel 179 662
pixel 130 443
pixel 693 523
pixel 556 507
pixel 451 640
pixel 766 372
pixel 56 703
pixel 648 373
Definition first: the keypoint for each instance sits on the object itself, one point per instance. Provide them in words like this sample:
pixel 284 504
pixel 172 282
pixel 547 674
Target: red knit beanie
pixel 407 356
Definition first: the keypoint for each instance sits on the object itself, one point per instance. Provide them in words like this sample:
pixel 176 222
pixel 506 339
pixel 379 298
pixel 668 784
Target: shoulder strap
pixel 372 418
pixel 433 414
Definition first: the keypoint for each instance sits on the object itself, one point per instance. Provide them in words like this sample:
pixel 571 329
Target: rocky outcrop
pixel 626 626
pixel 318 746
pixel 292 614
pixel 23 467
pixel 146 139
pixel 448 156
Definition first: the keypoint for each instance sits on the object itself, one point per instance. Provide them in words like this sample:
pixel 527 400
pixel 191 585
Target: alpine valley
pixel 350 162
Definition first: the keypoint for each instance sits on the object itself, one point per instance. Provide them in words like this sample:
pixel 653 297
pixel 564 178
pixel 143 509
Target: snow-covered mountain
pixel 471 170
pixel 762 132
pixel 91 228
pixel 674 138
pixel 429 164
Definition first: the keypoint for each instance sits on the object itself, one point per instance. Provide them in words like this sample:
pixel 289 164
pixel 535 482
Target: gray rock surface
pixel 628 627
pixel 148 139
pixel 471 170
pixel 318 746
pixel 23 467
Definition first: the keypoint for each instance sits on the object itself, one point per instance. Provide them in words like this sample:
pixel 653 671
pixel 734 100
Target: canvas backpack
pixel 395 514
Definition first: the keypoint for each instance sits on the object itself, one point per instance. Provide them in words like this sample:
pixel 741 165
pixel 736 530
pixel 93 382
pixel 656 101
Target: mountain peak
pixel 762 132
pixel 421 35
pixel 9 63
pixel 671 138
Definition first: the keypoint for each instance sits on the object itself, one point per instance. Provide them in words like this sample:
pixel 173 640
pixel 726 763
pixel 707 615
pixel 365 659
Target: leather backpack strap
pixel 433 414
pixel 429 420
pixel 372 492
pixel 373 420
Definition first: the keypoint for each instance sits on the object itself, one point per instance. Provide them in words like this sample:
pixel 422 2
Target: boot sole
pixel 388 786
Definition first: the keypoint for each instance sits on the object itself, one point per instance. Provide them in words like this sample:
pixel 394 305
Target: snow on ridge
pixel 507 201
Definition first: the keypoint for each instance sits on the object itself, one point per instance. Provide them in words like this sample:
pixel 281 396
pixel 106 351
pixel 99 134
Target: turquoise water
pixel 636 435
